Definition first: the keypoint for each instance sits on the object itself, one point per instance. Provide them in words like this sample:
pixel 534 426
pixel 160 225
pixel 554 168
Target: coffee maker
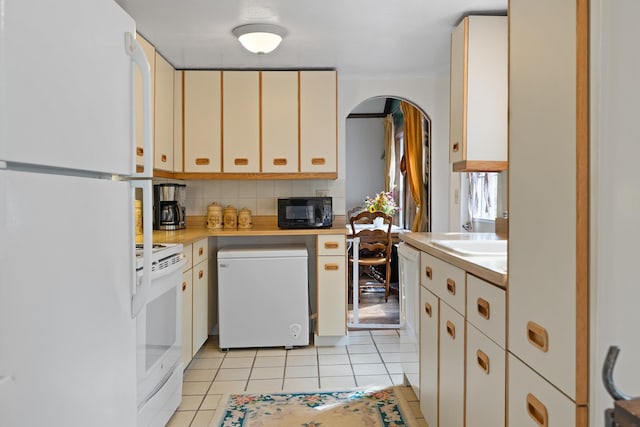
pixel 169 206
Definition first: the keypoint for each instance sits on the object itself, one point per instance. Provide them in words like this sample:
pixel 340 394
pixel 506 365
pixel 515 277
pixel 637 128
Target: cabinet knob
pixel 163 158
pixel 538 336
pixel 200 274
pixel 241 162
pixel 184 286
pixel 331 245
pixel 139 151
pixel 318 161
pixel 451 286
pixel 280 162
pixel 483 361
pixel 331 267
pixel 428 272
pixel 537 411
pixel 484 309
pixel 202 161
pixel 451 329
pixel 456 147
pixel 427 308
pixel 200 251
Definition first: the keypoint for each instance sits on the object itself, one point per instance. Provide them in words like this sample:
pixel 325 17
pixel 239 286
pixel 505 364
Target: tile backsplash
pixel 258 195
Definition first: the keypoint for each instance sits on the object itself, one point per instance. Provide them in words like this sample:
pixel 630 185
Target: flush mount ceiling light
pixel 259 38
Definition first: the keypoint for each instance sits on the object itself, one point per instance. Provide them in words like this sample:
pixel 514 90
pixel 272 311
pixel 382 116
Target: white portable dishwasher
pixel 263 296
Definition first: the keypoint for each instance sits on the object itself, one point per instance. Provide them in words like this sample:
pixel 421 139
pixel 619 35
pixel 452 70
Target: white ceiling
pixel 356 37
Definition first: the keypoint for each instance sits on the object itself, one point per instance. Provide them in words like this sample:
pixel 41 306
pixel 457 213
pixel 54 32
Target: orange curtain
pixel 413 157
pixel 389 154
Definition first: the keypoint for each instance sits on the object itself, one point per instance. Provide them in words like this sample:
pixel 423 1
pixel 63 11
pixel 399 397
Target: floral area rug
pixel 384 407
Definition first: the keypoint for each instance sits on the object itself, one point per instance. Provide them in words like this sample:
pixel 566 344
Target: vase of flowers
pixel 383 202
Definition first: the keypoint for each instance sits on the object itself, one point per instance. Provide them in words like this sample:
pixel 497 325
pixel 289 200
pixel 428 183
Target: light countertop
pixel 490 268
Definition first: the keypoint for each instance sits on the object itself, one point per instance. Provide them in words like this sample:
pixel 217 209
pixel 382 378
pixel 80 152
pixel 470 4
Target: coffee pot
pixel 169 206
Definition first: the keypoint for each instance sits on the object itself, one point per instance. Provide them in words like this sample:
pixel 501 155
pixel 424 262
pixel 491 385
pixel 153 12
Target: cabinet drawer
pixel 331 296
pixel 200 251
pixel 444 280
pixel 485 381
pixel 187 250
pixel 486 308
pixel 534 402
pixel 331 244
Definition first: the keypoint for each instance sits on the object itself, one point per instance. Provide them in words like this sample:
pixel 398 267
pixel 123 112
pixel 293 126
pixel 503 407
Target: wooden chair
pixel 374 250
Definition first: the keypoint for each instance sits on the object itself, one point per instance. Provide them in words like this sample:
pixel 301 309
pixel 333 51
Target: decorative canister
pixel 214 217
pixel 244 218
pixel 138 207
pixel 230 218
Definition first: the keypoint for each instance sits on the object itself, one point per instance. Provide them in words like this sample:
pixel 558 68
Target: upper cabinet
pixel 150 53
pixel 479 94
pixel 318 121
pixel 163 123
pixel 202 121
pixel 241 121
pixel 279 108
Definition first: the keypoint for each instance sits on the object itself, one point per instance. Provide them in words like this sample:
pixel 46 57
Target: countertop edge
pixel 422 241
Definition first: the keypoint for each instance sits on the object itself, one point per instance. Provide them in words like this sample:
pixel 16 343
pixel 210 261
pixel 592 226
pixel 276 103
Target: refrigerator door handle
pixel 134 50
pixel 140 291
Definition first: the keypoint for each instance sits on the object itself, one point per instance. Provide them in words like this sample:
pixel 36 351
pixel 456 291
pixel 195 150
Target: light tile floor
pixel 372 358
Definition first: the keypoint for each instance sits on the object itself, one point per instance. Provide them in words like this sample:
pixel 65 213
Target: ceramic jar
pixel 244 219
pixel 230 218
pixel 215 220
pixel 138 206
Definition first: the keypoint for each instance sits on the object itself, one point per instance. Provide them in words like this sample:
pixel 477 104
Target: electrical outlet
pixel 322 193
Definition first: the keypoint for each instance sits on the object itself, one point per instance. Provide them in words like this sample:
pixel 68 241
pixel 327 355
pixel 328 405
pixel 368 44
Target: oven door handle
pixel 141 286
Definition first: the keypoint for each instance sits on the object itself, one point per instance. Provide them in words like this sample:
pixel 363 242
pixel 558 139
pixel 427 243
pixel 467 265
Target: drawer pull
pixel 428 272
pixel 451 286
pixel 331 267
pixel 184 286
pixel 163 158
pixel 427 308
pixel 200 251
pixel 241 162
pixel 538 336
pixel 202 161
pixel 451 329
pixel 280 162
pixel 483 361
pixel 200 274
pixel 331 245
pixel 318 161
pixel 484 309
pixel 139 151
pixel 456 147
pixel 537 410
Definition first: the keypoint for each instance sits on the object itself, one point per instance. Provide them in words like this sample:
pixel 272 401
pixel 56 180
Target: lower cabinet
pixel 429 315
pixel 451 393
pixel 535 402
pixel 195 297
pixel 331 285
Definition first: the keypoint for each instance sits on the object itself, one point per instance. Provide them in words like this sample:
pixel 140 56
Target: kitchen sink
pixel 474 247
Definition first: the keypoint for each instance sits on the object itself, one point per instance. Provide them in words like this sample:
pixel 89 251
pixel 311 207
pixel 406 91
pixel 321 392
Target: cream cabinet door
pixel 202 121
pixel 200 304
pixel 478 129
pixel 279 109
pixel 429 327
pixel 486 309
pixel 533 402
pixel 150 53
pixel 331 295
pixel 241 121
pixel 486 370
pixel 187 317
pixel 163 123
pixel 177 122
pixel 452 355
pixel 318 121
pixel 542 305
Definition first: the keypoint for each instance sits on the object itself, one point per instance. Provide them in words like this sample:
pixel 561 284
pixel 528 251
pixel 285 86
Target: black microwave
pixel 305 212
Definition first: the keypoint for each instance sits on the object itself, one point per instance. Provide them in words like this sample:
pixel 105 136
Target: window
pixel 483 196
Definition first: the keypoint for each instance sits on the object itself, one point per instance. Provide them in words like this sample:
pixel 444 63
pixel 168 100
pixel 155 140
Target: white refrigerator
pixel 67 242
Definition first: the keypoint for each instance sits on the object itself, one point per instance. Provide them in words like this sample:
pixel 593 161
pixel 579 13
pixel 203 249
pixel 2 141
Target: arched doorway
pixel 369 144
